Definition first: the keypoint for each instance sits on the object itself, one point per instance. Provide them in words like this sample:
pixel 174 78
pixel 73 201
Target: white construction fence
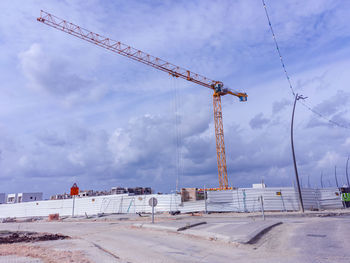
pixel 274 199
pixel 107 204
pixel 239 200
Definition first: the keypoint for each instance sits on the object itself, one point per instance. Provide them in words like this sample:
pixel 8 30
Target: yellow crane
pixel 160 64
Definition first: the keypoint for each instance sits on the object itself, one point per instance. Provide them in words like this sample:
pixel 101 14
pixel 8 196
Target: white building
pixel 118 190
pixel 11 198
pixel 29 197
pixel 2 198
pixel 261 185
pixel 24 197
pixel 86 193
pixel 60 196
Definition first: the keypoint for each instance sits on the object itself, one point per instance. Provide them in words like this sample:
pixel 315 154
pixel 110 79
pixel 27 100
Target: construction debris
pixel 174 213
pixel 8 220
pixel 8 237
pixel 54 217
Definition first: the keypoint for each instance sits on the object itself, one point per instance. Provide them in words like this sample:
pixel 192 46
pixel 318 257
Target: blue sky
pixel 73 112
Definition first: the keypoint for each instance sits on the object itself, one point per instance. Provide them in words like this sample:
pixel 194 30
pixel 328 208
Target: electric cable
pixel 289 79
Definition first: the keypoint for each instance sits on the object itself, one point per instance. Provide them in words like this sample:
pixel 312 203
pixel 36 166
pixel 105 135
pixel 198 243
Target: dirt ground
pixel 116 239
pixel 24 244
pixel 46 255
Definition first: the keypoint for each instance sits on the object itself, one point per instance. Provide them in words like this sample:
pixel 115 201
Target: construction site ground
pixel 224 237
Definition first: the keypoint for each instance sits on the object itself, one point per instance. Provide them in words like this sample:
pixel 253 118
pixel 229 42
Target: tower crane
pixel 160 64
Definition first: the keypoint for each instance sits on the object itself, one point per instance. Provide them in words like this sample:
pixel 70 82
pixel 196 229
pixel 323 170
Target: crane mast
pixel 160 64
pixel 220 143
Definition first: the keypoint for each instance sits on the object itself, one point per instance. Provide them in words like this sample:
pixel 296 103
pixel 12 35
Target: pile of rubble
pixel 8 237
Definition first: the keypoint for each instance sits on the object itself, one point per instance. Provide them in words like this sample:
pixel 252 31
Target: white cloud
pixel 23 161
pixel 33 62
pixel 119 145
pixel 347 142
pixel 258 121
pixel 328 159
pixel 76 158
pixel 54 76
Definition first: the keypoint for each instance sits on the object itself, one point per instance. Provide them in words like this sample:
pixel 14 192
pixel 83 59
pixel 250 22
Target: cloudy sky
pixel 73 112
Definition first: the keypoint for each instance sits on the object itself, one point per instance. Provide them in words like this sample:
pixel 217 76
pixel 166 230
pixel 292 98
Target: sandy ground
pixel 17 259
pixel 58 251
pixel 44 254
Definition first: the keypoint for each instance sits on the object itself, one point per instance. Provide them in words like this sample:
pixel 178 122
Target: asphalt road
pixel 323 240
pixel 298 239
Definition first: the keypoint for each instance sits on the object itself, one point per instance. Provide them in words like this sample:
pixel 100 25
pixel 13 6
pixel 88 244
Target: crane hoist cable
pixel 177 106
pixel 125 50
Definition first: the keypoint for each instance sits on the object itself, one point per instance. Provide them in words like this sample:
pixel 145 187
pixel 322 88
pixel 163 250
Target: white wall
pixel 240 200
pixel 91 205
pixel 248 199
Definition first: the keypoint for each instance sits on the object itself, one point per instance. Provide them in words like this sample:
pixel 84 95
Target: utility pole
pixel 335 175
pixel 297 97
pixel 347 176
pixel 321 179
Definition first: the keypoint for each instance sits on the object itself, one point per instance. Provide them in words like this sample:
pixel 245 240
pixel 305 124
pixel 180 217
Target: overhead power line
pixel 289 79
pixel 324 117
pixel 278 49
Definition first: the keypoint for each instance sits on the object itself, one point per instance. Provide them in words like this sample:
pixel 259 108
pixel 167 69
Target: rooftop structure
pixel 23 197
pixel 260 185
pixel 114 191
